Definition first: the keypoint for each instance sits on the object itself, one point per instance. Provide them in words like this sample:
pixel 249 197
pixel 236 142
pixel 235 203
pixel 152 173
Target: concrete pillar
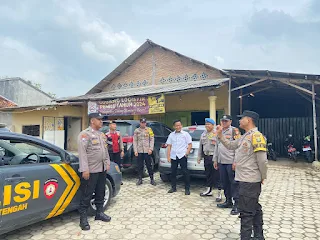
pixel 213 109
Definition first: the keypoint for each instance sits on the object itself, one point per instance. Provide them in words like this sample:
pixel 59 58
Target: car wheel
pixel 107 198
pixel 165 177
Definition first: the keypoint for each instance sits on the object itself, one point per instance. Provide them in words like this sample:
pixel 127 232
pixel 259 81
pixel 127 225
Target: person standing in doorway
pixel 179 146
pixel 115 144
pixel 143 144
pixel 251 171
pixel 94 162
pixel 207 148
pixel 225 162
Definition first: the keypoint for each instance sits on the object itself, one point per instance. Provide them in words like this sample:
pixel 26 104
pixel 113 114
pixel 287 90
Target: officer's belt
pixel 209 153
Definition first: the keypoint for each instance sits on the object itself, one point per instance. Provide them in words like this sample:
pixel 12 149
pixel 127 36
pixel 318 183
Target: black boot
pixel 84 221
pixel 258 233
pixel 235 210
pixel 139 182
pixel 101 216
pixel 226 204
pixel 152 182
pixel 187 191
pixel 172 190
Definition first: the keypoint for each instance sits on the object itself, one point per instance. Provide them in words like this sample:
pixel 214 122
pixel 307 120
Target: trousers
pixel 230 186
pixel 144 158
pixel 212 175
pixel 250 210
pixel 95 184
pixel 184 168
pixel 115 157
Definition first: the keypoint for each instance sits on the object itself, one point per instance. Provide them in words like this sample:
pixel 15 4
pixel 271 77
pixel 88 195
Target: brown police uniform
pixel 251 169
pixel 207 148
pixel 143 141
pixel 93 158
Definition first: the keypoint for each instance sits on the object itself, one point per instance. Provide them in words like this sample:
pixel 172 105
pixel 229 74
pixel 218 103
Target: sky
pixel 68 46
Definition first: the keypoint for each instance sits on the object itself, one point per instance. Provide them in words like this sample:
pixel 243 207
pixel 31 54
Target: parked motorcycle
pixel 271 154
pixel 306 148
pixel 291 150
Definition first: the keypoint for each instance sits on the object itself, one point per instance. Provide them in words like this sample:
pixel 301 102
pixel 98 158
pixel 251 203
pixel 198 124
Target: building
pixel 28 110
pixel 162 85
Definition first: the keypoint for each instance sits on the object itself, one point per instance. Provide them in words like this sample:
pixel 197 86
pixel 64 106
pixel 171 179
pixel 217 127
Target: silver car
pixel 194 168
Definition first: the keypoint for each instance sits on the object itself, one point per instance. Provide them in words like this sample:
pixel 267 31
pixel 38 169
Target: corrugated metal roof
pixel 271 74
pixel 153 89
pixel 135 55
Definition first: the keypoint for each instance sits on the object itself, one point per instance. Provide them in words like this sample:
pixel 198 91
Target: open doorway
pixel 73 128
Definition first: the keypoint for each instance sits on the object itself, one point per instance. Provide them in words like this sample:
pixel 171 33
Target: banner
pixel 129 106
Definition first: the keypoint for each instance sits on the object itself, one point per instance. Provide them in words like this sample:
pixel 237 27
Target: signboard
pixel 129 106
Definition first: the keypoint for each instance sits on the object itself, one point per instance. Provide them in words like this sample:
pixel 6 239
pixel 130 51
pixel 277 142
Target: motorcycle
pixel 306 148
pixel 291 150
pixel 271 154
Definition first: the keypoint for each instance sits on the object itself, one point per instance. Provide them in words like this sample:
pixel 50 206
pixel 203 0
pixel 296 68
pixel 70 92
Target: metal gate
pixel 277 129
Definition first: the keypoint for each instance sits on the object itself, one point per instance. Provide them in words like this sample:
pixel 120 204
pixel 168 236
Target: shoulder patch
pixel 84 137
pixel 150 132
pixel 259 142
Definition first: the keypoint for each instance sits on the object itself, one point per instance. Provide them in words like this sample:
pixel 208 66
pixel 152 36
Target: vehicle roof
pixel 4 134
pixel 196 127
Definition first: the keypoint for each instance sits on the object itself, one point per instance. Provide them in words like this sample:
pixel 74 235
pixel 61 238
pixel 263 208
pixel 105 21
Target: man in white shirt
pixel 179 146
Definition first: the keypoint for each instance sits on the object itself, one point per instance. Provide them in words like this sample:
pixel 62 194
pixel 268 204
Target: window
pixel 32 130
pixel 19 152
pixel 156 128
pixel 166 131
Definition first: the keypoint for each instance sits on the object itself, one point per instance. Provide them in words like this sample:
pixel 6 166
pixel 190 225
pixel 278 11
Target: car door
pixel 37 184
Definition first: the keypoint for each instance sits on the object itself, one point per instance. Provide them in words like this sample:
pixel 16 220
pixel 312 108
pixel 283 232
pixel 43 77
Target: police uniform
pixel 251 169
pixel 93 158
pixel 225 159
pixel 207 147
pixel 115 145
pixel 143 141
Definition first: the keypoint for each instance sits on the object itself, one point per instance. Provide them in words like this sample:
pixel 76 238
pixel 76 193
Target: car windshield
pixel 194 133
pixel 123 128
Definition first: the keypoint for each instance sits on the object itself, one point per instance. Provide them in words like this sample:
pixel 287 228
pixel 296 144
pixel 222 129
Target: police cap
pixel 143 120
pixel 95 115
pixel 226 118
pixel 250 114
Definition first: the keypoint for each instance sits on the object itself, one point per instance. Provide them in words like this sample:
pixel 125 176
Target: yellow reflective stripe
pixel 69 183
pixel 74 190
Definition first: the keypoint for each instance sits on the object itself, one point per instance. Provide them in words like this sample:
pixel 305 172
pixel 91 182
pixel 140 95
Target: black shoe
pixel 207 193
pixel 226 204
pixel 84 222
pixel 152 182
pixel 121 183
pixel 172 190
pixel 187 192
pixel 139 182
pixel 102 217
pixel 234 210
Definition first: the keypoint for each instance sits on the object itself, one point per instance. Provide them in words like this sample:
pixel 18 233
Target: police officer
pixel 94 162
pixel 208 142
pixel 250 171
pixel 225 163
pixel 143 144
pixel 115 143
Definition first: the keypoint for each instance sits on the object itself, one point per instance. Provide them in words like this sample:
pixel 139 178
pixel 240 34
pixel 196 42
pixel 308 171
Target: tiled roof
pixel 6 103
pixel 149 90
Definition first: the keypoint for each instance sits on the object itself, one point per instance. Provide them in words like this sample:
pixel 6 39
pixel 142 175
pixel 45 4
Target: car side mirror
pixel 70 158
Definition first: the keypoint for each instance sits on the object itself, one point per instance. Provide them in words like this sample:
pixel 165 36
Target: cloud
pixel 99 40
pixel 19 59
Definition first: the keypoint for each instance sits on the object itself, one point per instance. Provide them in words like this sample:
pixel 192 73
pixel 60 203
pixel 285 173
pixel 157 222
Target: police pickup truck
pixel 39 180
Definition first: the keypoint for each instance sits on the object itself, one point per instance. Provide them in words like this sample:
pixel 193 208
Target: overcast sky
pixel 70 45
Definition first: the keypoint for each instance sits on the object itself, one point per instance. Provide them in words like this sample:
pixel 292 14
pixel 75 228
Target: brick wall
pixel 168 68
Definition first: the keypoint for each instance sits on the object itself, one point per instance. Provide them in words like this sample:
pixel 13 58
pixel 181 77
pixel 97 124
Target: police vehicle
pixel 39 181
